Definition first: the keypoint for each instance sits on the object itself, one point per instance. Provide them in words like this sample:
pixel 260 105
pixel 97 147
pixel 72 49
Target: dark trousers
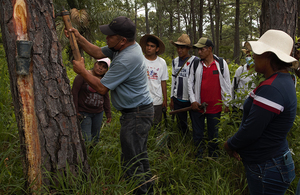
pixel 157 118
pixel 135 127
pixel 182 116
pixel 198 123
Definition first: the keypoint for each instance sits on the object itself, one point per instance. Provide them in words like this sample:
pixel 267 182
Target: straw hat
pixel 275 41
pixel 106 60
pixel 183 40
pixel 246 51
pixel 143 43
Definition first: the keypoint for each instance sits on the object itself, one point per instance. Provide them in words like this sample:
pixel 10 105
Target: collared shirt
pixel 127 78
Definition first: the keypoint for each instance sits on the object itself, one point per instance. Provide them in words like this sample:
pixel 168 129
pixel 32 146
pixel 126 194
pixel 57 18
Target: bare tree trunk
pixel 236 52
pixel 193 20
pixel 178 16
pixel 251 19
pixel 280 15
pixel 298 16
pixel 212 26
pixel 201 19
pixel 194 31
pixel 48 128
pixel 146 17
pixel 135 12
pixel 217 44
pixel 171 31
pixel 158 15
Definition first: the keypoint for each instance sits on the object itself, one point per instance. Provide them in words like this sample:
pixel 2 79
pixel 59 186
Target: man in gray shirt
pixel 127 80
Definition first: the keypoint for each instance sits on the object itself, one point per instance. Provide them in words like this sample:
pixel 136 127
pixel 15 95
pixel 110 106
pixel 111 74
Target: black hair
pixel 278 64
pixel 153 40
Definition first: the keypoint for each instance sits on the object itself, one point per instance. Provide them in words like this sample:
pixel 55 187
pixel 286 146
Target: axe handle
pixel 72 38
pixel 181 110
pixel 202 106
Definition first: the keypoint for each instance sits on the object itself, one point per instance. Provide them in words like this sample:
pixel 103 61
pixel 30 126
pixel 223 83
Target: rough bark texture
pixel 212 26
pixel 298 16
pixel 280 15
pixel 201 19
pixel 217 43
pixel 237 50
pixel 58 131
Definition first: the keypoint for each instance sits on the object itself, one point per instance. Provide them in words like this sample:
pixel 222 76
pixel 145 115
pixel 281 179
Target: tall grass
pixel 172 160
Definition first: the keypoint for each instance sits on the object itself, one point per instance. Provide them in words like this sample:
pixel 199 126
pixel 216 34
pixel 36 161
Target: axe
pixel 73 43
pixel 202 106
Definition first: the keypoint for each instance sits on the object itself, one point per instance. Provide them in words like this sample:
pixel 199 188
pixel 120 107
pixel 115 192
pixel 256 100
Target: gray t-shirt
pixel 127 78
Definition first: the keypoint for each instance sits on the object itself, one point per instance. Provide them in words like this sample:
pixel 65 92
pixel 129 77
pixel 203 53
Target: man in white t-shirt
pixel 157 73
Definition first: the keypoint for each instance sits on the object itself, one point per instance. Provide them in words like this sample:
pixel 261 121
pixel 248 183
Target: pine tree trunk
pixel 236 52
pixel 298 16
pixel 212 26
pixel 201 19
pixel 280 15
pixel 217 44
pixel 44 109
pixel 146 17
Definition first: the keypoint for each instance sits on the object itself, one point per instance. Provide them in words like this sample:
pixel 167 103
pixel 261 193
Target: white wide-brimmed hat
pixel 275 41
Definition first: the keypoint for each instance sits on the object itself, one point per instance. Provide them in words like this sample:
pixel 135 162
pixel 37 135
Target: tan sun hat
pixel 183 40
pixel 275 41
pixel 143 43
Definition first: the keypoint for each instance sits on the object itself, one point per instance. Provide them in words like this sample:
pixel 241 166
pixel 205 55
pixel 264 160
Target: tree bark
pixel 217 44
pixel 201 19
pixel 178 16
pixel 48 128
pixel 280 15
pixel 298 16
pixel 212 26
pixel 146 17
pixel 193 21
pixel 236 52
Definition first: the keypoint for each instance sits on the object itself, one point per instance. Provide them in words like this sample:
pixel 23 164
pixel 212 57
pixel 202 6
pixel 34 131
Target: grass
pixel 173 163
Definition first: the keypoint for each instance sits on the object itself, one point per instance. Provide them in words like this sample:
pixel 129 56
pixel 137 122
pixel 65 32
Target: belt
pixel 137 109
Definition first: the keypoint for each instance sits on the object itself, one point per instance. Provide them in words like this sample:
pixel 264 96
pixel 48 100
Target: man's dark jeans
pixel 182 116
pixel 135 127
pixel 198 124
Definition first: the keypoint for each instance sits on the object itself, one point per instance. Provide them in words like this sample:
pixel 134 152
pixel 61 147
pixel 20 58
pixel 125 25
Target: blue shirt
pixel 127 77
pixel 269 113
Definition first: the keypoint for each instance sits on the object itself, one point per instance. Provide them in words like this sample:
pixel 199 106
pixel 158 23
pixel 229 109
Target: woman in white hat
pixel 268 115
pixel 90 104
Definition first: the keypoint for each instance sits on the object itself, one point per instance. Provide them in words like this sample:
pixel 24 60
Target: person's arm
pixel 94 82
pixel 226 87
pixel 171 105
pixel 164 91
pixel 191 83
pixel 88 47
pixel 231 152
pixel 262 112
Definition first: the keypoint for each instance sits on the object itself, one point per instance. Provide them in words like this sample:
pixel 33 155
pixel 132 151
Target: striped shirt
pixel 269 113
pixel 179 88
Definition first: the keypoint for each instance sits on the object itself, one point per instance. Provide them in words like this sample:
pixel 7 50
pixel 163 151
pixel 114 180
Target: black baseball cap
pixel 121 25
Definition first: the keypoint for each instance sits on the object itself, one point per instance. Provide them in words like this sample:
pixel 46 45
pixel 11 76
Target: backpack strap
pixel 196 63
pixel 220 61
